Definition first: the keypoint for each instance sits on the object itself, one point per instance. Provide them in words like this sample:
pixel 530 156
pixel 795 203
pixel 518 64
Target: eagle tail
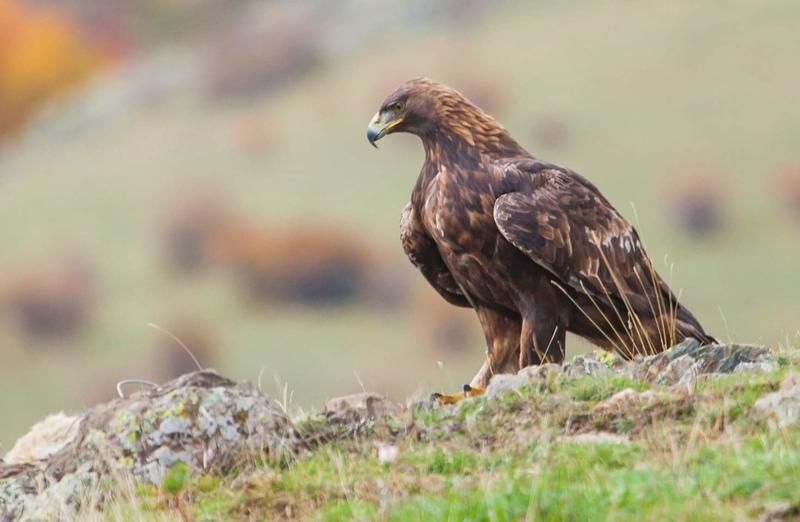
pixel 687 326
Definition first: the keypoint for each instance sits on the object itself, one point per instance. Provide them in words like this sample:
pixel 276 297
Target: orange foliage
pixel 42 54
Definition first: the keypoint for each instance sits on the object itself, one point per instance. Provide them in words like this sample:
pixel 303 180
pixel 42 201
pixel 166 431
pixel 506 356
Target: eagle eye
pixel 396 107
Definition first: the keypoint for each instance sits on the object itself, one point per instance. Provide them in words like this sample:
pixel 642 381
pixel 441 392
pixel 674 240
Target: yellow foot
pixel 453 398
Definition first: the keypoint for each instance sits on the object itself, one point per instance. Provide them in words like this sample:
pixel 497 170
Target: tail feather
pixel 687 326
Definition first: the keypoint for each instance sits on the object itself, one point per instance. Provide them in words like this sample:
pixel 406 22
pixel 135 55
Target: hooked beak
pixel 379 126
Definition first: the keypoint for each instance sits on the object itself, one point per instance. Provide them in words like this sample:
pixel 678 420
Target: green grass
pixel 596 389
pixel 647 91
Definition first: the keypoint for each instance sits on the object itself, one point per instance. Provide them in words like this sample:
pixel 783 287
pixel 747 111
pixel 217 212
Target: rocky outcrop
pixel 681 364
pixel 201 419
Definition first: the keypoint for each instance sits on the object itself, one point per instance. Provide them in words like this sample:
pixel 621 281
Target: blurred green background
pixel 202 166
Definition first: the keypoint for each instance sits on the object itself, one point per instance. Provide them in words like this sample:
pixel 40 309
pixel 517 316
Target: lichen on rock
pixel 684 362
pixel 201 419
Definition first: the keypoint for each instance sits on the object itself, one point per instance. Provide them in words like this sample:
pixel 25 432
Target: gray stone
pixel 684 362
pixel 503 383
pixel 544 371
pixel 365 404
pixel 626 399
pixel 582 366
pixel 595 437
pixel 764 366
pixel 781 408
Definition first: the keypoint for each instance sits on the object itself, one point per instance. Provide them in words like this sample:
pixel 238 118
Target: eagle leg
pixel 501 330
pixel 542 340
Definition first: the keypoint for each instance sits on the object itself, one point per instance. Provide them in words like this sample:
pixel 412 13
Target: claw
pixel 452 398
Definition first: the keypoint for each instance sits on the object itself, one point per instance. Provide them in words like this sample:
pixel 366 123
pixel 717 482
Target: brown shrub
pixel 311 264
pixel 261 54
pixel 51 301
pixel 308 263
pixel 192 225
pixel 696 202
pixel 788 188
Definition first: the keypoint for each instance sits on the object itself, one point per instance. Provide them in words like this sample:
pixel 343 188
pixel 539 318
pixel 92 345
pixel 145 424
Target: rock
pixel 596 437
pixel 44 439
pixel 781 408
pixel 681 371
pixel 791 380
pixel 764 366
pixel 627 399
pixel 365 404
pixel 684 362
pixel 387 453
pixel 780 510
pixel 582 366
pixel 544 371
pixel 502 383
pixel 201 418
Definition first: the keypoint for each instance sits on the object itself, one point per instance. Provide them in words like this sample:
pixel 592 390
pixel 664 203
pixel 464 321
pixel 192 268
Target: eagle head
pixel 434 112
pixel 408 109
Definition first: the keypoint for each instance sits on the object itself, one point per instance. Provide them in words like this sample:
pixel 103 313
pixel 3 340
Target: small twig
pixel 125 382
pixel 180 343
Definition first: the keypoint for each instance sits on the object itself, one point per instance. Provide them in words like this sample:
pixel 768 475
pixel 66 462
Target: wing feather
pixel 563 223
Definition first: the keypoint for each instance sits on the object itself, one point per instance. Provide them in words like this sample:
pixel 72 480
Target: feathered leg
pixel 502 332
pixel 542 340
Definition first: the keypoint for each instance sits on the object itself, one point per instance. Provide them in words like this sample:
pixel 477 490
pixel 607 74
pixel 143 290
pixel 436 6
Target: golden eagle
pixel 534 248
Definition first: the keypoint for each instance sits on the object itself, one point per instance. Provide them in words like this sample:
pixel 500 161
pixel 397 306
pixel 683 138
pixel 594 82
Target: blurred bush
pixel 194 223
pixel 788 186
pixel 259 53
pixel 310 263
pixel 50 302
pixel 697 201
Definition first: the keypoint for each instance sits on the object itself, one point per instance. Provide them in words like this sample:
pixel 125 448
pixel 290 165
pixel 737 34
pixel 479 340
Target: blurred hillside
pixel 255 115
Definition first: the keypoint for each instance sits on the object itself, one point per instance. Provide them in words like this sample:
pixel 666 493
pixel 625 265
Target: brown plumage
pixel 534 248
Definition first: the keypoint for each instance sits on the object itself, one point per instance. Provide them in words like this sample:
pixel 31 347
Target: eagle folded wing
pixel 423 253
pixel 565 225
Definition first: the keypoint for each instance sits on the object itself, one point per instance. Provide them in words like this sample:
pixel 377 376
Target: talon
pixel 468 391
